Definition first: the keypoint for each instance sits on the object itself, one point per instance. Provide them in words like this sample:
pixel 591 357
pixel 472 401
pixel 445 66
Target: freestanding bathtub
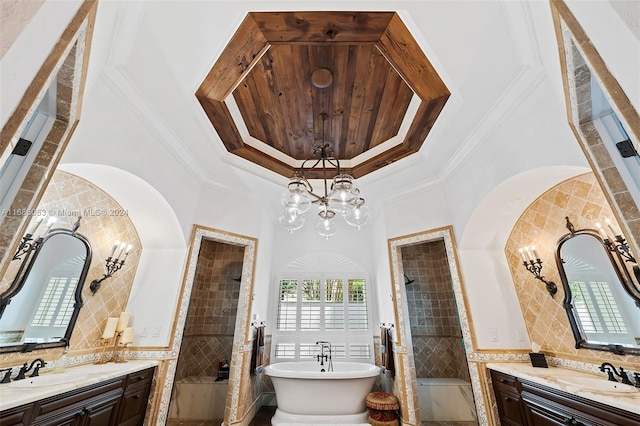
pixel 304 394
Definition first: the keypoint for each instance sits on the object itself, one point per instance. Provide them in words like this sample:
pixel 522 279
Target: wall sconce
pixel 531 261
pixel 618 244
pixel 30 242
pixel 113 264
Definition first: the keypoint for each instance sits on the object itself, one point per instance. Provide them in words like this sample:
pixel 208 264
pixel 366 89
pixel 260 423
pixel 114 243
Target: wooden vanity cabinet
pixel 507 393
pixel 541 405
pixel 114 402
pixel 135 397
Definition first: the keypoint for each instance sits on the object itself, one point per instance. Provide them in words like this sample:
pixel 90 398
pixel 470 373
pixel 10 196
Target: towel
pixel 386 348
pixel 257 353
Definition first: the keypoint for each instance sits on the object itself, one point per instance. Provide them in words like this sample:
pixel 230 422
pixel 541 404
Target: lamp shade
pixel 343 194
pixel 296 196
pixel 291 220
pixel 359 216
pixel 326 227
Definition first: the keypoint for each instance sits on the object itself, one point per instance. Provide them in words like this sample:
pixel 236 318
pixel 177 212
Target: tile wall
pixel 211 317
pixel 435 330
pixel 65 197
pixel 542 225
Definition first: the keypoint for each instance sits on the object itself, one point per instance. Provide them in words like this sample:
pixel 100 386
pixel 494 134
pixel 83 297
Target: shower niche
pixel 442 374
pixel 202 372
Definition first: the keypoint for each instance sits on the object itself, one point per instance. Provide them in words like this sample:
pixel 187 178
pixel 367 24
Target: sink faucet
pixel 7 376
pixel 25 369
pixel 611 370
pixel 36 370
pixel 322 357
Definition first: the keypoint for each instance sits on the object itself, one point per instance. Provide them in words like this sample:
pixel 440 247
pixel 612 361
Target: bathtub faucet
pixel 322 357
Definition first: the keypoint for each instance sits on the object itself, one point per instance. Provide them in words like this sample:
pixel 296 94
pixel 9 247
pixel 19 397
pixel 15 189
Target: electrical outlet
pixel 156 332
pixel 494 335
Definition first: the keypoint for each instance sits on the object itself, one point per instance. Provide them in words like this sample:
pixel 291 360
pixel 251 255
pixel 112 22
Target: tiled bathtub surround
pixel 211 318
pixel 435 331
pixel 65 196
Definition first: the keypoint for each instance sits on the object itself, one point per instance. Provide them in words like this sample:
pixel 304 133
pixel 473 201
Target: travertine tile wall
pixel 52 147
pixel 435 330
pixel 542 225
pixel 103 222
pixel 211 319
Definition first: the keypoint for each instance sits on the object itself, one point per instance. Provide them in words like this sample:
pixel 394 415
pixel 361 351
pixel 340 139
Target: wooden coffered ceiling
pixel 375 68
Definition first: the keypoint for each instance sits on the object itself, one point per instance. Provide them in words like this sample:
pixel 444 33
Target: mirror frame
pixel 625 280
pixel 21 278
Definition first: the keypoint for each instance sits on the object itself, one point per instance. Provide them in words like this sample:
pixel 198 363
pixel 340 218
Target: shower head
pixel 407 281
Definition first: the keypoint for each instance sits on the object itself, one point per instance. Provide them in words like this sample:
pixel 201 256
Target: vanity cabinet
pixel 533 404
pixel 121 401
pixel 507 392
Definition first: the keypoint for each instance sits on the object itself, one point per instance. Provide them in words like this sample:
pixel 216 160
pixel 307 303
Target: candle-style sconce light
pixel 618 244
pixel 117 332
pixel 531 261
pixel 34 237
pixel 113 263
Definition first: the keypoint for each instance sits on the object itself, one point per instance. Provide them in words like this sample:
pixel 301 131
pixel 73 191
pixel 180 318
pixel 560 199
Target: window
pixel 596 307
pixel 57 303
pixel 317 308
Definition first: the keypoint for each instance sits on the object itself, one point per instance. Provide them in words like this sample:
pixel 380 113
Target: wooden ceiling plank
pixel 244 50
pixel 352 27
pixel 243 96
pixel 220 117
pixel 399 95
pixel 271 92
pixel 404 54
pixel 304 143
pixel 337 113
pixel 286 95
pixel 373 95
pixel 349 82
pixel 322 57
pixel 360 62
pixel 381 131
pixel 262 99
pixel 422 123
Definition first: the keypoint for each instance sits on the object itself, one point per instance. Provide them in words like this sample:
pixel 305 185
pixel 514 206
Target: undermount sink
pixel 46 380
pixel 593 383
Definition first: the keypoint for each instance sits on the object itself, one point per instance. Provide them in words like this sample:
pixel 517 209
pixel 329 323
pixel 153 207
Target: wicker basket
pixel 382 409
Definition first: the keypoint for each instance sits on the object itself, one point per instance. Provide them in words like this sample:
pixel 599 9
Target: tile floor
pixel 263 418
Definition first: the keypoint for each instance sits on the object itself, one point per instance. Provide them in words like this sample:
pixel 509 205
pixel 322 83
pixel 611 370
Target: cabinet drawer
pixel 75 398
pixel 134 404
pixel 140 376
pixel 503 380
pixel 99 410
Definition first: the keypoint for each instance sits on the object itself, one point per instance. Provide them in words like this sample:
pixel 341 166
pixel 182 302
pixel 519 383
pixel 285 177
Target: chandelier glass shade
pixel 340 196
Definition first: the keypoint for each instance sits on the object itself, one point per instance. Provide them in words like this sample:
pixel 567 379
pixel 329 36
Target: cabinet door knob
pixel 572 422
pixel 137 396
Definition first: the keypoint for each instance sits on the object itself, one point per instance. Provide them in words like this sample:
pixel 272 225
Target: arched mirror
pixel 602 299
pixel 40 307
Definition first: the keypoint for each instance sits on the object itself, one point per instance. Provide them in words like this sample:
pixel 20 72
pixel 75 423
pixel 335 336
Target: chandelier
pixel 340 196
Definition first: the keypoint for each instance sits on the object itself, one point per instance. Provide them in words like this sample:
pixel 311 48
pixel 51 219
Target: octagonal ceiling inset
pixel 281 70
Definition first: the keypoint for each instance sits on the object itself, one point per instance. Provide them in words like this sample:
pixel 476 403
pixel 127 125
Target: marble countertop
pixel 18 393
pixel 555 377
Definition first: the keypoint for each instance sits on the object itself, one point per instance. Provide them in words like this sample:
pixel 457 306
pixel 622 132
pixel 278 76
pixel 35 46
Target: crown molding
pixel 122 86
